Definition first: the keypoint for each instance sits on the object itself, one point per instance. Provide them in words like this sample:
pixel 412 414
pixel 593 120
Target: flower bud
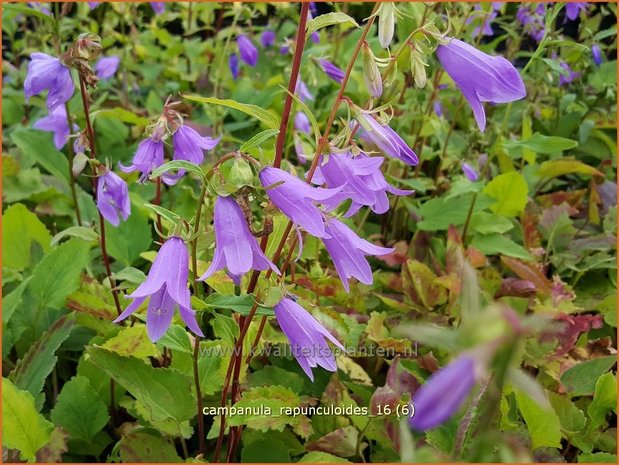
pixel 418 66
pixel 386 23
pixel 241 173
pixel 79 163
pixel 371 74
pixel 87 46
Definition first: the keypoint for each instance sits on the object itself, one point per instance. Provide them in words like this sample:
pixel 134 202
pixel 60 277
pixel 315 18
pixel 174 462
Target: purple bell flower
pixel 438 108
pixel 56 122
pixel 166 288
pixel 147 157
pixel 361 179
pixel 533 21
pixel 573 9
pixel 480 77
pixel 470 172
pixel 295 198
pixel 48 73
pixel 158 7
pixel 569 77
pixel 113 197
pixel 236 249
pixel 315 37
pixel 302 91
pixel 299 150
pixel 233 64
pixel 106 67
pixel 307 337
pixel 93 5
pixel 267 39
pixel 302 122
pixel 348 253
pixel 443 394
pixel 386 139
pixel 247 50
pixel 485 27
pixel 332 71
pixel 597 54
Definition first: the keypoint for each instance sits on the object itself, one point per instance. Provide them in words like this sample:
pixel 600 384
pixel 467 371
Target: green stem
pixel 197 288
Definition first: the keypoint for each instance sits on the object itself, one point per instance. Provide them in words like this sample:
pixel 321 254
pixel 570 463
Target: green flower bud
pixel 371 74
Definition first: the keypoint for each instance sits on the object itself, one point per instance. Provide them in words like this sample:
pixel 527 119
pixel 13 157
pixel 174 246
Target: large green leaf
pixel 142 447
pixel 23 428
pixel 132 237
pixel 604 399
pixel 165 392
pixel 39 146
pixel 21 229
pixel 79 410
pixel 580 379
pixel 543 423
pixel 328 19
pixel 510 191
pixel 266 117
pixel 540 143
pixel 237 303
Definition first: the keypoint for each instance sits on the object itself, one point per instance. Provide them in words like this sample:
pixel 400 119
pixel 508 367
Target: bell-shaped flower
pixel 348 253
pixel 532 19
pixel 233 64
pixel 386 139
pixel 113 197
pixel 573 9
pixel 569 75
pixel 106 67
pixel 48 73
pixel 302 122
pixel 147 157
pixel 235 247
pixel 307 337
pixel 470 172
pixel 299 149
pixel 480 77
pixel 56 122
pixel 361 179
pixel 295 198
pixel 158 7
pixel 267 38
pixel 596 53
pixel 332 71
pixel 247 50
pixel 303 92
pixel 166 289
pixel 443 394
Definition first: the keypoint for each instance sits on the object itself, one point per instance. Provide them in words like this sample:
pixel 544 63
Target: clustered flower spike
pixel 235 247
pixel 106 67
pixel 386 139
pixel 113 197
pixel 56 121
pixel 348 252
pixel 166 289
pixel 247 50
pixel 480 77
pixel 48 73
pixel 307 337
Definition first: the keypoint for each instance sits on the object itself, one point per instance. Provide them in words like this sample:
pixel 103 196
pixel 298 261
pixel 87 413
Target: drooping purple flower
pixel 56 122
pixel 307 337
pixel 299 150
pixel 147 157
pixel 158 7
pixel 443 394
pixel 315 37
pixel 113 197
pixel 295 198
pixel 93 5
pixel 302 91
pixel 106 67
pixel 247 50
pixel 361 180
pixel 573 9
pixel 332 71
pixel 166 288
pixel 438 108
pixel 496 6
pixel 532 20
pixel 597 54
pixel 302 122
pixel 386 139
pixel 48 73
pixel 313 8
pixel 235 247
pixel 485 22
pixel 284 49
pixel 233 64
pixel 480 77
pixel 470 172
pixel 570 75
pixel 348 253
pixel 267 39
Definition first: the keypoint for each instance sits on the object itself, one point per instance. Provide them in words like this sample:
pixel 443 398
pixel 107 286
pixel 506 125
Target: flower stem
pixel 197 288
pixel 71 175
pixel 196 378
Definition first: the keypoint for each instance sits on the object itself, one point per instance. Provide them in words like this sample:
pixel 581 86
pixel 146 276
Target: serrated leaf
pixel 177 165
pixel 142 447
pixel 165 392
pixel 23 428
pixel 38 146
pixel 328 19
pixel 543 424
pixel 79 410
pixel 132 342
pixel 580 379
pixel 176 338
pixel 268 118
pixel 21 229
pixel 130 238
pixel 31 370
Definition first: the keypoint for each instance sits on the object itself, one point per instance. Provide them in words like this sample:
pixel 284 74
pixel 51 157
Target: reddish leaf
pixel 529 271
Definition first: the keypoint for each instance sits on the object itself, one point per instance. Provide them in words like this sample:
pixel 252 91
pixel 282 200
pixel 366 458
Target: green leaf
pixel 237 303
pixel 543 424
pixel 123 115
pixel 258 139
pixel 571 417
pixel 495 244
pixel 31 371
pixel 487 223
pixel 177 165
pixel 132 237
pixel 176 338
pixel 268 118
pixel 555 168
pixel 542 144
pixel 142 447
pixel 439 212
pixel 20 8
pixel 79 410
pixel 82 232
pixel 165 392
pixel 21 229
pixel 39 146
pixel 510 191
pixel 328 19
pixel 132 342
pixel 23 428
pixel 604 399
pixel 580 380
pixel 11 301
pixel 597 457
pixel 164 213
pixel 322 457
pixel 57 275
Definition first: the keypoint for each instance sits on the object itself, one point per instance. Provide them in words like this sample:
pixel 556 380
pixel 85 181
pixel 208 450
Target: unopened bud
pixel 386 23
pixel 241 173
pixel 371 74
pixel 87 46
pixel 79 163
pixel 418 67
